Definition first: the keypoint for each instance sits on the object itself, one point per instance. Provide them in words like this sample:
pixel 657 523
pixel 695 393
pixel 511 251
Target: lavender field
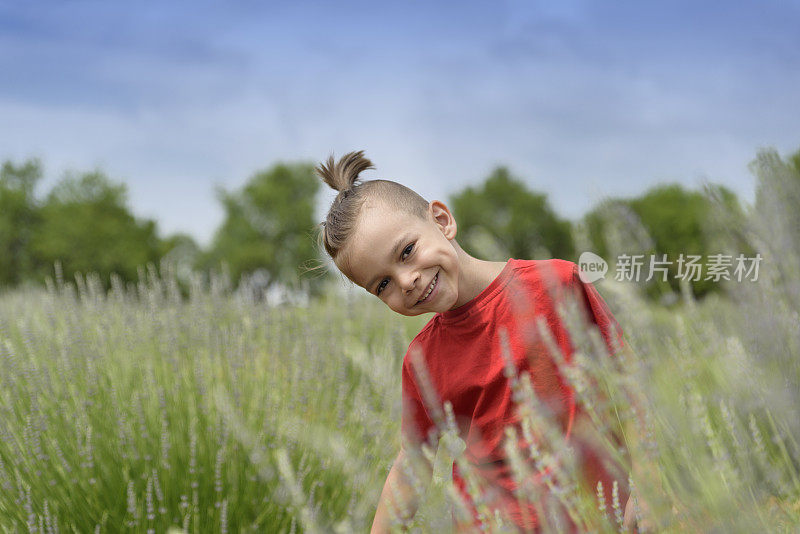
pixel 142 410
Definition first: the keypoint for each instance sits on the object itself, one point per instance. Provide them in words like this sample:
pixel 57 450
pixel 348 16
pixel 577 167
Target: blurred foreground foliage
pixel 137 410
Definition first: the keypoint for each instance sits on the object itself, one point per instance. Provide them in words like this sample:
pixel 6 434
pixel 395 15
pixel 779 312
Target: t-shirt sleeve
pixel 414 420
pixel 598 311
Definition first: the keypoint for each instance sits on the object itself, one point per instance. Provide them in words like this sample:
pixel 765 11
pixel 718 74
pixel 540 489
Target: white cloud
pixel 573 111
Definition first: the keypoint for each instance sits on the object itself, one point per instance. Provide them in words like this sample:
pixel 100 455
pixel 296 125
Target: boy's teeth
pixel 430 288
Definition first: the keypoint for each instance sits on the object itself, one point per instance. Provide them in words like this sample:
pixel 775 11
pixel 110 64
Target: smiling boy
pixel 402 249
pixel 401 270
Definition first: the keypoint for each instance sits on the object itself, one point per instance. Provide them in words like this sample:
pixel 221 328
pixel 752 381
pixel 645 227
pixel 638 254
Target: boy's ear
pixel 443 218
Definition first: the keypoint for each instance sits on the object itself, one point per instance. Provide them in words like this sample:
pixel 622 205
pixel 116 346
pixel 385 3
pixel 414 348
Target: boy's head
pixel 389 240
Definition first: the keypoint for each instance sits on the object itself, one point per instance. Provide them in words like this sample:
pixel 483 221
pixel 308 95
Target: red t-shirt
pixel 461 349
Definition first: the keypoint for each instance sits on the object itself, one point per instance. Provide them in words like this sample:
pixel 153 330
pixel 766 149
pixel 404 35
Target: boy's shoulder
pixel 553 270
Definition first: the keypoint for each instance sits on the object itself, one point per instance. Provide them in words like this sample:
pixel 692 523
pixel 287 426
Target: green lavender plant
pixel 139 410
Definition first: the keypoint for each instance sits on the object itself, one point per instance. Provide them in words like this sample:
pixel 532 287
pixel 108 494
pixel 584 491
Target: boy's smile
pixel 429 292
pixel 409 263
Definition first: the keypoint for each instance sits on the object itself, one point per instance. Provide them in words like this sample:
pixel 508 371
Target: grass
pixel 142 411
pixel 138 410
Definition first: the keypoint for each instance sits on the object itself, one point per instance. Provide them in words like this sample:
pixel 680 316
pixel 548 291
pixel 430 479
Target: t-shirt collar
pixel 484 296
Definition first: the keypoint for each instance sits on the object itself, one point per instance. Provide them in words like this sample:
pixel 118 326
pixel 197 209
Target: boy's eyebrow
pixel 395 248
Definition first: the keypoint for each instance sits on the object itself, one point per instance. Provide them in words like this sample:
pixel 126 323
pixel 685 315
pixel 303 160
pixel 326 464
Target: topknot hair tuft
pixel 342 218
pixel 343 175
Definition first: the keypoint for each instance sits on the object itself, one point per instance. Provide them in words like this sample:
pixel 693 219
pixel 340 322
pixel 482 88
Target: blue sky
pixel 580 99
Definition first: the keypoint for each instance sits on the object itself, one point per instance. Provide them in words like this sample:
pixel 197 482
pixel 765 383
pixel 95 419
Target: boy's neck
pixel 474 275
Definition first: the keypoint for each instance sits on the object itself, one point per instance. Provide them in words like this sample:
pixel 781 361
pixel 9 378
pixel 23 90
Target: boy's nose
pixel 409 280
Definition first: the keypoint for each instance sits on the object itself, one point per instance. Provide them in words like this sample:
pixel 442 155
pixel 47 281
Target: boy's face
pixel 399 257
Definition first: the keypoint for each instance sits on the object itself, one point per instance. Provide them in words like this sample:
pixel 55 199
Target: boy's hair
pixel 346 207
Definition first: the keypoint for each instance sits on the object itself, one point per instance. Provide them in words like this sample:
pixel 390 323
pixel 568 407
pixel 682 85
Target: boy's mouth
pixel 428 291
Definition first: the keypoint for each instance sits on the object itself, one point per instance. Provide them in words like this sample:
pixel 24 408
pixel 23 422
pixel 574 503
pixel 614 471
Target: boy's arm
pixel 398 491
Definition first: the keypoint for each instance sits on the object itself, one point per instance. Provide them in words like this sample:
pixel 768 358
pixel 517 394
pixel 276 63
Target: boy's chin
pixel 413 312
pixel 441 308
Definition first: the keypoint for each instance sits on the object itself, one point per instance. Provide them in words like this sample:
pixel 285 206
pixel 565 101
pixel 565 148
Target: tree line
pixel 85 224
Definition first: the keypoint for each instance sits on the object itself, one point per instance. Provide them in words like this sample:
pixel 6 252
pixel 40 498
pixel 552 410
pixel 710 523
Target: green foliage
pixel 268 225
pixel 18 218
pixel 518 221
pixel 137 410
pixel 84 223
pixel 86 226
pixel 794 162
pixel 775 218
pixel 667 219
pixel 674 217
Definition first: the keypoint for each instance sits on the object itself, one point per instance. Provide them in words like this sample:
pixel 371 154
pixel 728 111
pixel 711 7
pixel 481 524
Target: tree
pixel 667 219
pixel 775 220
pixel 18 218
pixel 268 225
pixel 502 218
pixel 794 163
pixel 87 227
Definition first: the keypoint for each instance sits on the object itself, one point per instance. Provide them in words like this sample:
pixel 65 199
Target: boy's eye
pixel 381 286
pixel 406 252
